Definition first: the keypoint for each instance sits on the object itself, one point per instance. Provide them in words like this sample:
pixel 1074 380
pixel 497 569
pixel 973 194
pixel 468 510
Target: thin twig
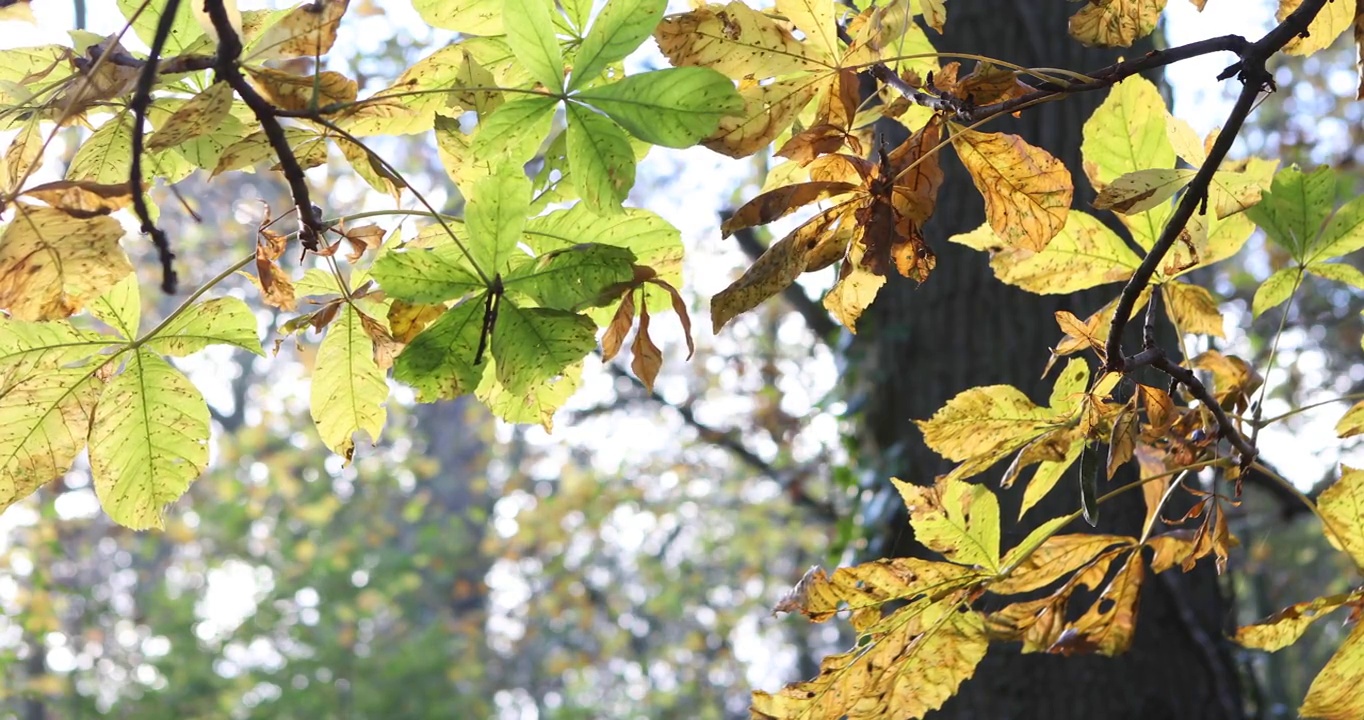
pixel 141 100
pixel 229 50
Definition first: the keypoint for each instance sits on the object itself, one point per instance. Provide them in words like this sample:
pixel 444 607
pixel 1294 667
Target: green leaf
pixel 515 130
pixel 120 307
pixel 220 321
pixel 621 27
pixel 471 17
pixel 536 405
pixel 107 155
pixel 1295 207
pixel 148 441
pixel 573 278
pixel 1343 234
pixel 44 417
pixel 494 216
pixel 1127 133
pixel 28 348
pixel 531 36
pixel 439 362
pixel 1275 290
pixel 185 30
pixel 532 345
pixel 1339 272
pixel 675 108
pixel 578 12
pixel 319 282
pixel 348 388
pixel 426 275
pixel 603 164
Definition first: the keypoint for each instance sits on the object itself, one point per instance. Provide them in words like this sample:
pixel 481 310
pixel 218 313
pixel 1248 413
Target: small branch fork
pixel 225 66
pixel 1255 78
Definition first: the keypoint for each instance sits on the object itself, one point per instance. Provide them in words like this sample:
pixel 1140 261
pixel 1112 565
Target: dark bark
pixel 921 345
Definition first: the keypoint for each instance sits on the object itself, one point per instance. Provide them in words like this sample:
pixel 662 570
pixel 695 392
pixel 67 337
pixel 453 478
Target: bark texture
pixel 923 344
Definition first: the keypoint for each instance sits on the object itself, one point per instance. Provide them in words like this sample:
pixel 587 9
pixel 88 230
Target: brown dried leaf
pixel 648 359
pixel 619 327
pixel 782 201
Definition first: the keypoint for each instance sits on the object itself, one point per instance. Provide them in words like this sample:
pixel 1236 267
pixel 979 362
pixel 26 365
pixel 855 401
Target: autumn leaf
pixel 1286 626
pixel 1115 23
pixel 1352 422
pixel 52 264
pixel 1341 507
pixel 1336 694
pixel 867 586
pixel 960 520
pixel 1054 558
pixel 1330 22
pixel 348 388
pixel 1027 191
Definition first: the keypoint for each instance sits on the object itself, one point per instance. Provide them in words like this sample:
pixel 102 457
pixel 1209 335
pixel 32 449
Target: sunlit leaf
pixel 1342 507
pixel 620 27
pixel 1126 133
pixel 52 264
pixel 348 388
pixel 1286 626
pixel 221 321
pixel 531 37
pixel 673 108
pixel 148 441
pixel 1027 191
pixel 532 345
pixel 1336 693
pixel 1115 23
pixel 955 518
pixel 602 161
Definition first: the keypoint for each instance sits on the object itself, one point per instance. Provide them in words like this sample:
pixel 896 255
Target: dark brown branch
pixel 229 50
pixel 1106 77
pixel 1156 358
pixel 1254 78
pixel 142 98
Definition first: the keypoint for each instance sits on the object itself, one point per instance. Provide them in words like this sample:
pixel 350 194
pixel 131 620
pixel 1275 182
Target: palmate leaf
pixel 533 345
pixel 494 216
pixel 439 362
pixel 472 17
pixel 531 37
pixel 425 275
pixel 148 440
pixel 1336 693
pixel 120 307
pixel 1296 208
pixel 573 278
pixel 348 388
pixel 958 519
pixel 602 160
pixel 220 321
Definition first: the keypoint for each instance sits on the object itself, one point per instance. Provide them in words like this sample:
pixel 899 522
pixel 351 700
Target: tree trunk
pixel 921 345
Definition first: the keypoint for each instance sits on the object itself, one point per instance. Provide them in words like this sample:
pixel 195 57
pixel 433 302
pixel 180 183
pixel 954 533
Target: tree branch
pixel 142 98
pixel 229 50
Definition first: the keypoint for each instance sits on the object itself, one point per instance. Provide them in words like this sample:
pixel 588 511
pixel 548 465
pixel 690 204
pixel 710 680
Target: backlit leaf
pixel 537 404
pixel 1331 21
pixel 1296 207
pixel 473 17
pixel 532 345
pixel 955 518
pixel 426 275
pixel 1142 190
pixel 221 321
pixel 348 388
pixel 1056 557
pixel 52 264
pixel 1342 507
pixel 1286 626
pixel 439 362
pixel 620 27
pixel 148 441
pixel 1275 290
pixel 1086 253
pixel 531 37
pixel 1027 191
pixel 494 215
pixel 1336 693
pixel 1352 423
pixel 573 278
pixel 1115 23
pixel 44 418
pixel 673 108
pixel 1192 309
pixel 602 161
pixel 1126 133
pixel 120 307
pixel 515 130
pixel 107 155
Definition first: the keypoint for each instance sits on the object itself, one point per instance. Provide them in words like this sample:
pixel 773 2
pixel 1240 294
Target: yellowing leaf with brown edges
pixel 81 198
pixel 1336 693
pixel 1352 423
pixel 1109 624
pixel 51 263
pixel 200 115
pixel 1085 254
pixel 869 585
pixel 303 92
pixel 955 518
pixel 1027 190
pixel 307 30
pixel 1192 309
pixel 1333 19
pixel 1284 627
pixel 911 668
pixel 1057 556
pixel 1342 507
pixel 854 292
pixel 1115 23
pixel 1142 190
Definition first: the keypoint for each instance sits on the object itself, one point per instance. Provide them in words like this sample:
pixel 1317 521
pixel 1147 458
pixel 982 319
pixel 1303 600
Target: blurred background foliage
pixel 464 568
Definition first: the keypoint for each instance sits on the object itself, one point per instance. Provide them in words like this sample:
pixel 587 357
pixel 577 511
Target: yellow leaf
pixel 814 18
pixel 1330 22
pixel 1342 507
pixel 44 418
pixel 1115 23
pixel 199 116
pixel 1352 423
pixel 1336 693
pixel 1027 191
pixel 905 672
pixel 991 420
pixel 305 31
pixel 303 92
pixel 853 293
pixel 870 585
pixel 1057 556
pixel 1192 309
pixel 51 263
pixel 955 518
pixel 348 388
pixel 1184 140
pixel 1126 133
pixel 1085 254
pixel 768 110
pixel 1049 472
pixel 1284 627
pixel 1142 190
pixel 1107 627
pixel 736 40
